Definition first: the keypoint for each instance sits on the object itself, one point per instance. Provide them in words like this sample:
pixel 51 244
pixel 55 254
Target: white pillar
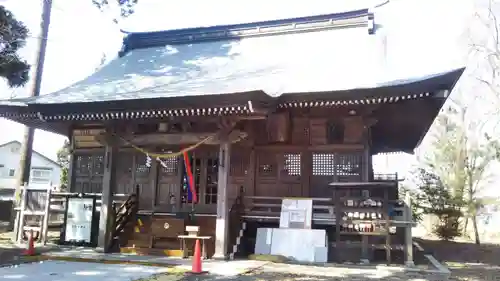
pixel 408 235
pixel 108 183
pixel 222 223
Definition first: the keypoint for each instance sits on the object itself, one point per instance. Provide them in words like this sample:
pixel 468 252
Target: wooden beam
pixel 316 148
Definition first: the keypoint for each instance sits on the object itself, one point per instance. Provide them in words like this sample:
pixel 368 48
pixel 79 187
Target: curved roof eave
pixel 425 84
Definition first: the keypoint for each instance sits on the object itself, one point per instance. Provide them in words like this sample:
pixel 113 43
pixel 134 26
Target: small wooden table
pixel 183 238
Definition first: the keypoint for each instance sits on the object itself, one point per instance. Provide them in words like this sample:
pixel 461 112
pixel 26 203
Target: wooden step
pixel 141 243
pixel 151 252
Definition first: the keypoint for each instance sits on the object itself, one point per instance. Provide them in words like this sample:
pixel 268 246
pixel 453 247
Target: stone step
pixel 143 251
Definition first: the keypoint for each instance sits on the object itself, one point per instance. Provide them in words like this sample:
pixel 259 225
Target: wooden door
pixel 143 180
pixel 240 172
pixel 278 174
pixel 330 167
pixel 289 175
pixel 88 172
pixel 168 184
pixel 266 174
pixel 124 173
pixel 322 173
pixel 205 168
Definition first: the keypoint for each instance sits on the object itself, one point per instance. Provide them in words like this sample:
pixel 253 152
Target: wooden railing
pixel 269 208
pixel 122 216
pixel 235 220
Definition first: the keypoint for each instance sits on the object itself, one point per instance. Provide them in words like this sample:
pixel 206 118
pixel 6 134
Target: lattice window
pixel 323 164
pixel 98 167
pixel 266 170
pixel 348 165
pixel 170 165
pixel 292 164
pixel 212 176
pixel 141 169
pixel 83 165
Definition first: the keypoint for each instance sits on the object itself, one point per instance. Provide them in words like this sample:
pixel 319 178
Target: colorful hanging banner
pixel 189 174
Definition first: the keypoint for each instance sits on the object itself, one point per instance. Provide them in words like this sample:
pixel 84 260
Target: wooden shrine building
pixel 274 109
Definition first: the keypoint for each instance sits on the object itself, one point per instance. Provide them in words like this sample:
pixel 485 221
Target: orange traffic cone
pixel 196 268
pixel 30 251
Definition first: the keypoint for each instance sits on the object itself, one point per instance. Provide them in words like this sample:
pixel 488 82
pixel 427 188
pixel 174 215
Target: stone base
pixel 409 264
pixel 220 257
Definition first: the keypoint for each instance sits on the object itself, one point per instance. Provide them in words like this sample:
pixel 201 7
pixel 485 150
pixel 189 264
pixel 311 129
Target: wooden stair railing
pixel 235 224
pixel 122 216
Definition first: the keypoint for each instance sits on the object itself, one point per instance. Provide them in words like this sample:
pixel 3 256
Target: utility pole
pixel 23 172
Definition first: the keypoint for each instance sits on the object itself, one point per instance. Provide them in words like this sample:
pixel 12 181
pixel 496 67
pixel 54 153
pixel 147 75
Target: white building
pixel 44 171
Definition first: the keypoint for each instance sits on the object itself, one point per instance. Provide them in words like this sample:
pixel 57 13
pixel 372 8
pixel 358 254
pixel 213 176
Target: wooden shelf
pixel 347 190
pixel 361 209
pixel 346 244
pixel 362 184
pixel 375 233
pixel 361 198
pixel 358 221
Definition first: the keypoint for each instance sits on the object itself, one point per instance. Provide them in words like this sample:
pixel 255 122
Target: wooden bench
pixel 202 239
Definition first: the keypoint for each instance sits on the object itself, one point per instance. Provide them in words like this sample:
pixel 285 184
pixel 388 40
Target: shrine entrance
pixel 205 168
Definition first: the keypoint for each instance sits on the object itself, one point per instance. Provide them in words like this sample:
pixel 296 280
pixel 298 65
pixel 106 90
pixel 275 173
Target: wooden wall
pixel 289 154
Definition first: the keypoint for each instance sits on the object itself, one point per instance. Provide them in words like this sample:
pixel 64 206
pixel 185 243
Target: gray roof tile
pixel 312 61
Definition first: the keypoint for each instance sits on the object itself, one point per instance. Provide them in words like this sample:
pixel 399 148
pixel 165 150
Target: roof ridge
pixel 354 18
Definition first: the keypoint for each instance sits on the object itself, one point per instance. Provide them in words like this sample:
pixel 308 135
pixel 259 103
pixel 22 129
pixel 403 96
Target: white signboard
pixel 79 219
pixel 296 212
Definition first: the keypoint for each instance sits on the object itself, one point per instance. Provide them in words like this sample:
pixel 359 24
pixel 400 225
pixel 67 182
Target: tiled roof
pixel 277 57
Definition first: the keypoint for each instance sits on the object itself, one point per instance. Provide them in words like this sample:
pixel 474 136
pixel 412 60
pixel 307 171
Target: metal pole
pixel 27 145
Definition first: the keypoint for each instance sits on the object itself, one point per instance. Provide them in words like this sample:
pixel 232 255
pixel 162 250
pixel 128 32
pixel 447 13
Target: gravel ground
pixel 467 261
pixel 264 275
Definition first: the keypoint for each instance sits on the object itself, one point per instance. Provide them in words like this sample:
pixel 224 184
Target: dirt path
pixel 466 260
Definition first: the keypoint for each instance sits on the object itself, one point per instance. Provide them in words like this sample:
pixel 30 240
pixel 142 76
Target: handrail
pixel 122 215
pixel 319 199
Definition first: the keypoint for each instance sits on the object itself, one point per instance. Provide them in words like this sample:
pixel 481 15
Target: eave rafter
pixel 248 109
pixel 347 102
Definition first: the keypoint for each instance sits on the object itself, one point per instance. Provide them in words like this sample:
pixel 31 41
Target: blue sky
pixel 423 36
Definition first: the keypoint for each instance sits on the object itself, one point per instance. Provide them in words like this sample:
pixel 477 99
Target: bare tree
pixel 484 34
pixel 461 155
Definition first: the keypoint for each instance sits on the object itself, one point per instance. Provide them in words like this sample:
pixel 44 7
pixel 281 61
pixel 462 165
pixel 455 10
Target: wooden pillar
pixel 222 223
pixel 178 190
pixel 108 186
pixel 251 173
pixel 153 182
pixel 71 168
pixel 408 235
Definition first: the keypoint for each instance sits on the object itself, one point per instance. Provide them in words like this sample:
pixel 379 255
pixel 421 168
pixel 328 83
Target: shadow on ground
pixel 10 255
pixel 466 260
pixel 276 276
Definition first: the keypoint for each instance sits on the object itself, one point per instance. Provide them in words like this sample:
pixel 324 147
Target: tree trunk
pixel 465 226
pixel 476 231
